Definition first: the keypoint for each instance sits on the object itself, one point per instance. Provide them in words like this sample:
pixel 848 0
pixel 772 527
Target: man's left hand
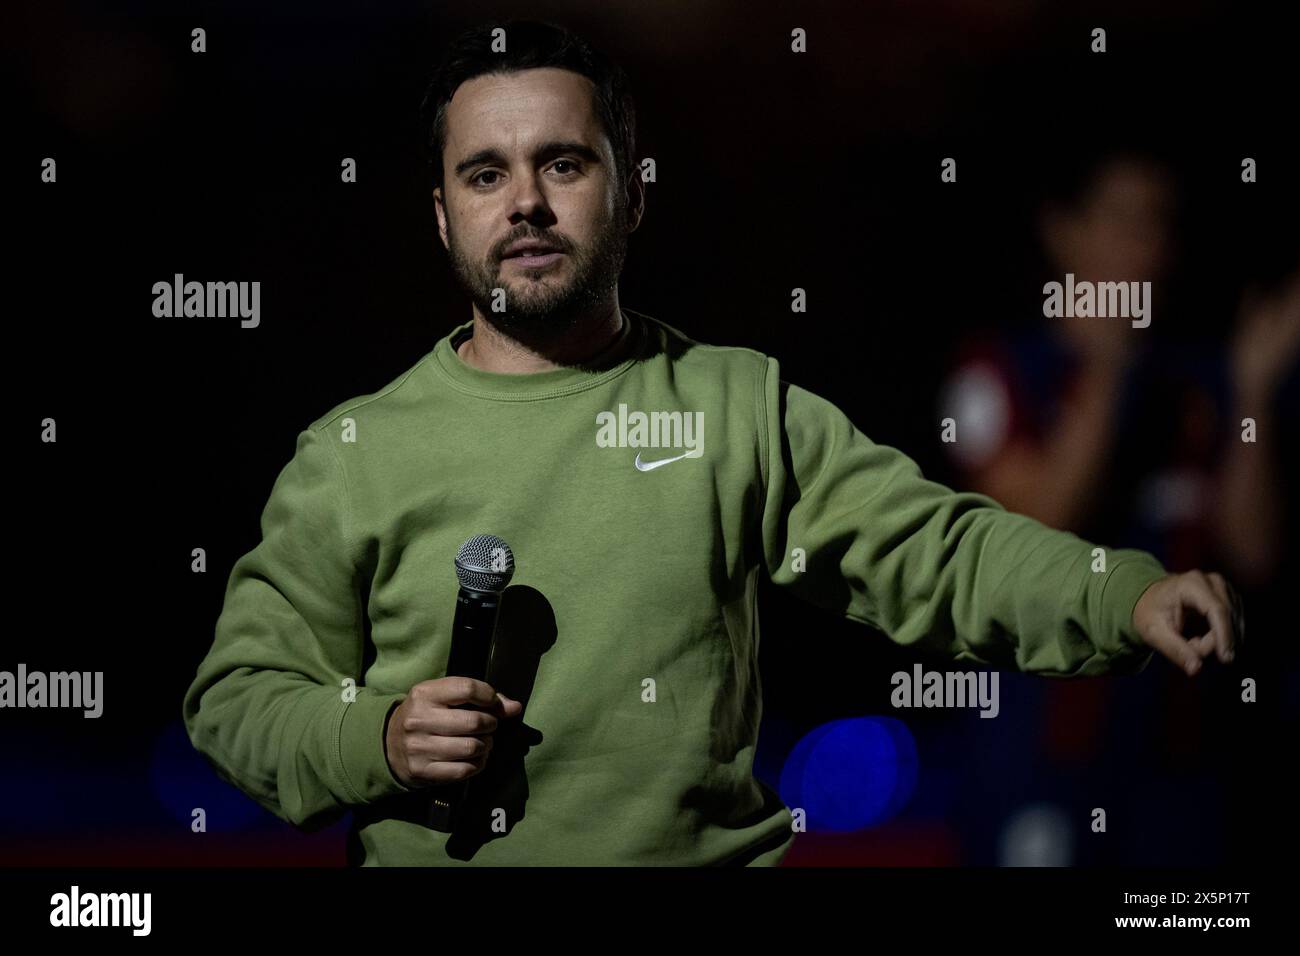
pixel 1187 616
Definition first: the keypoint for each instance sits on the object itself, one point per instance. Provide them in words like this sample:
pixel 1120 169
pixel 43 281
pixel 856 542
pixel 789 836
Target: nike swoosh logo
pixel 652 465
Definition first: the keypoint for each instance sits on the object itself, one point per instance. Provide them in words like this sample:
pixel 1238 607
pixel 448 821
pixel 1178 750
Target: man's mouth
pixel 534 259
pixel 532 253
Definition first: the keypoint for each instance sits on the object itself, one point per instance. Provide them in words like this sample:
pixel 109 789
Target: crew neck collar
pixel 529 386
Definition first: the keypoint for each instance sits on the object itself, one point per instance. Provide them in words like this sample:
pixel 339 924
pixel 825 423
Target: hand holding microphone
pixel 439 736
pixel 430 740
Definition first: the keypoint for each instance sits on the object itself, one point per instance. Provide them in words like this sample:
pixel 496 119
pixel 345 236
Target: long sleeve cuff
pixel 1130 574
pixel 363 762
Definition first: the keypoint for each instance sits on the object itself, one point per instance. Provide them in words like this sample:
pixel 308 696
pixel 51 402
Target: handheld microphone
pixel 484 566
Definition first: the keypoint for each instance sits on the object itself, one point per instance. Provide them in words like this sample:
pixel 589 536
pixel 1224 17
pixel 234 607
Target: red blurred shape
pixel 898 844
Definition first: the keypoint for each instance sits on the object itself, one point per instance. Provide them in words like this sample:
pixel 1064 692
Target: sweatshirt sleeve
pixel 950 572
pixel 269 708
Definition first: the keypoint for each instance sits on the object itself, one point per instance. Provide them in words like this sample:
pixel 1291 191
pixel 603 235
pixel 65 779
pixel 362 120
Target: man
pixel 643 481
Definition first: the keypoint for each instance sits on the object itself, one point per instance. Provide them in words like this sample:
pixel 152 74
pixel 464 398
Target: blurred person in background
pixel 1132 436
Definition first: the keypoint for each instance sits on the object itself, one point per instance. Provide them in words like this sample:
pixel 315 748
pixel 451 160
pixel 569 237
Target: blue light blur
pixel 852 773
pixel 182 780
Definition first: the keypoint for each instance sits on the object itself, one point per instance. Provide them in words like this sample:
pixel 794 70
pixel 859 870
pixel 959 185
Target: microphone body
pixel 484 566
pixel 471 633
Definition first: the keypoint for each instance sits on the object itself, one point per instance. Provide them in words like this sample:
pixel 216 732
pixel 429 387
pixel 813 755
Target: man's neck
pixel 587 343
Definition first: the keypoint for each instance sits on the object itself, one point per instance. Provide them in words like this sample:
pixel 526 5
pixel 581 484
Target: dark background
pixel 775 170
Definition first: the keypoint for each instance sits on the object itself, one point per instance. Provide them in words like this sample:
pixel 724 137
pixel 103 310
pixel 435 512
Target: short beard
pixel 543 313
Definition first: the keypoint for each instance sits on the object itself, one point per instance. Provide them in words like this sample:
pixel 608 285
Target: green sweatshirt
pixel 629 630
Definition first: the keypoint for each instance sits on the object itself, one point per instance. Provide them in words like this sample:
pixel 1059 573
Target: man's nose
pixel 528 200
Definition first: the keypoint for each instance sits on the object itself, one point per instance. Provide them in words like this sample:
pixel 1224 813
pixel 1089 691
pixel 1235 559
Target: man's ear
pixel 635 200
pixel 441 212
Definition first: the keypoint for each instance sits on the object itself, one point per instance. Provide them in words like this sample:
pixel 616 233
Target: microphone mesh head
pixel 485 563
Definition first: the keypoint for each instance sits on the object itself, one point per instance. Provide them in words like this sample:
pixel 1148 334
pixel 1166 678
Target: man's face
pixel 1122 229
pixel 526 159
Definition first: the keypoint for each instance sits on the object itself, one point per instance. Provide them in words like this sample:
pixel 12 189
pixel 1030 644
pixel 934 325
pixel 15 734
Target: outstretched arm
pixel 955 571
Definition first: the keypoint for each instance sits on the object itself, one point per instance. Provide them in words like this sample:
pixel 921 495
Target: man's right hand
pixel 431 741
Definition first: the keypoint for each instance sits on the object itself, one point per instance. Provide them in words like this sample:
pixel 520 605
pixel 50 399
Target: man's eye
pixel 486 172
pixel 565 162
